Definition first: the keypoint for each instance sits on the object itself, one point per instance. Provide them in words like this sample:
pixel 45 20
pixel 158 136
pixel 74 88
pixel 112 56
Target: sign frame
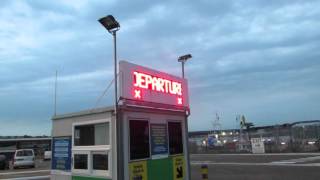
pixel 159 149
pixel 64 157
pixel 143 84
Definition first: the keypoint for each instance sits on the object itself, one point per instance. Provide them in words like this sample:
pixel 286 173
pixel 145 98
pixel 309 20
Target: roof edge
pixel 84 112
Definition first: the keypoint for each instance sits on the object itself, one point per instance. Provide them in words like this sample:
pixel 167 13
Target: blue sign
pixel 61 154
pixel 159 140
pixel 211 141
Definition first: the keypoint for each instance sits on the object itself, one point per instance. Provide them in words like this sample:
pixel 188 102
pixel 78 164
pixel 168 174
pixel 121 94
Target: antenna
pixel 216 123
pixel 55 93
pixel 102 95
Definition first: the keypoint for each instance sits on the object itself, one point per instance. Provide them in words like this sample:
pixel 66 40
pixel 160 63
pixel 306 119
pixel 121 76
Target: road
pixel 222 167
pixel 257 167
pixel 41 171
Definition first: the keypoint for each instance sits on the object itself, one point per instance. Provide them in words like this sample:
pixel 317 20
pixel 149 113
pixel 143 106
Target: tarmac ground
pixel 257 167
pixel 220 167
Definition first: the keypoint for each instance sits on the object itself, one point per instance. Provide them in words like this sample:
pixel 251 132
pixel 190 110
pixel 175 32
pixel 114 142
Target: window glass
pixel 139 139
pixel 100 161
pixel 101 134
pixel 80 161
pixel 20 153
pixel 175 138
pixel 90 135
pixel 28 153
pixel 84 135
pixel 25 153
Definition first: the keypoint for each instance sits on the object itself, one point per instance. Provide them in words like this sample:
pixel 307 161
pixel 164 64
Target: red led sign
pixel 146 81
pixel 149 85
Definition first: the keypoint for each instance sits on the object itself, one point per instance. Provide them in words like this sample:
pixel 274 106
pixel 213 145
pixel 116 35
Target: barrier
pixel 204 172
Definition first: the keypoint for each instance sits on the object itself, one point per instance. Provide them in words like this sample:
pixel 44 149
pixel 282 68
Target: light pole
pixel 183 59
pixel 113 26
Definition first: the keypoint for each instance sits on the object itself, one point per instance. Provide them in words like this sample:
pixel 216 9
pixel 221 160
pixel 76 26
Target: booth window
pixel 91 135
pixel 139 139
pixel 80 161
pixel 175 138
pixel 100 161
pixel 91 148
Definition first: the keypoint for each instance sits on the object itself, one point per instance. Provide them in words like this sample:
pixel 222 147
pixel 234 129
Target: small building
pixel 39 144
pixel 144 138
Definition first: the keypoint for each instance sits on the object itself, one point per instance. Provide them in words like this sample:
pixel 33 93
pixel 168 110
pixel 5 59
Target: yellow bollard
pixel 204 172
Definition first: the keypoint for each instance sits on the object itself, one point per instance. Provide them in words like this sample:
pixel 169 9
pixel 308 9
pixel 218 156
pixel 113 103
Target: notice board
pixel 61 153
pixel 159 140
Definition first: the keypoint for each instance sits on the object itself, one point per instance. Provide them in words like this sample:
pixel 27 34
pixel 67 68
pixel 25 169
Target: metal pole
pixel 55 94
pixel 186 133
pixel 114 33
pixel 187 153
pixel 182 69
pixel 117 122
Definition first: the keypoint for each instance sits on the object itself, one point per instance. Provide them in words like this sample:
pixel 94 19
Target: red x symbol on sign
pixel 137 94
pixel 179 100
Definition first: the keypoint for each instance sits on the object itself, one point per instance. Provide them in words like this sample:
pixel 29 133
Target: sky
pixel 256 58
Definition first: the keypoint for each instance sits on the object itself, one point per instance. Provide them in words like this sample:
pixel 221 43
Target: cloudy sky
pixel 257 58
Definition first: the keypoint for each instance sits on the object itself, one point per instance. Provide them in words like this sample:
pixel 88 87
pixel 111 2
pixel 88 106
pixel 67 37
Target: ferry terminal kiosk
pixel 148 141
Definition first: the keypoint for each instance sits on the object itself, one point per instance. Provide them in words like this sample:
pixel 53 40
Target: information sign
pixel 159 140
pixel 178 168
pixel 138 170
pixel 257 145
pixel 144 84
pixel 61 154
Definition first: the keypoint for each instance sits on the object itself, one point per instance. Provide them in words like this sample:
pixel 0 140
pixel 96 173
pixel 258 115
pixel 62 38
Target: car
pixel 24 158
pixel 4 164
pixel 47 155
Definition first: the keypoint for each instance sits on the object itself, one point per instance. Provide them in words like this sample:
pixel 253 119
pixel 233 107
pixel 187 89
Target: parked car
pixel 47 155
pixel 24 158
pixel 4 164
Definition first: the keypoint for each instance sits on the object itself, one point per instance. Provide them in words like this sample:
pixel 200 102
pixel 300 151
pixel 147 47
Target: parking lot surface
pixel 220 167
pixel 42 169
pixel 257 167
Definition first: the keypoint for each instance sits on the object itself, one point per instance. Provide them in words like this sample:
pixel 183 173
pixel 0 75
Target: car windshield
pixel 24 153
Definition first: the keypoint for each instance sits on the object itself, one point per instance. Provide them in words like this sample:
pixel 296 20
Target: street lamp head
pixel 110 23
pixel 184 58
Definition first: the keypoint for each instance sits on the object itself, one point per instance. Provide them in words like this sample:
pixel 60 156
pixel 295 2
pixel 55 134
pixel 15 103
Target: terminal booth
pixel 147 141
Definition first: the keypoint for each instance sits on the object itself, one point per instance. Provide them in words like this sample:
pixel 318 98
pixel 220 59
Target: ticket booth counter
pixel 147 141
pixel 156 144
pixel 83 145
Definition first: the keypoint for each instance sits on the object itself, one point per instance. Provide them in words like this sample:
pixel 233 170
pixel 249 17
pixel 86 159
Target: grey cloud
pixel 242 51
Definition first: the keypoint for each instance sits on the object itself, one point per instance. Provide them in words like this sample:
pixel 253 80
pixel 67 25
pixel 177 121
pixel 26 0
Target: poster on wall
pixel 61 154
pixel 138 170
pixel 178 168
pixel 159 141
pixel 257 146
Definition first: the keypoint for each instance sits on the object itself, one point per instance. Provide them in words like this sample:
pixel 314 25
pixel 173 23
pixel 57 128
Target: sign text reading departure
pixel 146 81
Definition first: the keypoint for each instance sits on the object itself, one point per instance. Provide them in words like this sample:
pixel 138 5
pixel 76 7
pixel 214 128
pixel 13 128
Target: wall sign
pixel 61 154
pixel 178 168
pixel 257 145
pixel 159 141
pixel 138 170
pixel 145 84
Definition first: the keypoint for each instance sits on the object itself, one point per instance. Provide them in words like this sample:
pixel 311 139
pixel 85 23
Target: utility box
pixel 147 141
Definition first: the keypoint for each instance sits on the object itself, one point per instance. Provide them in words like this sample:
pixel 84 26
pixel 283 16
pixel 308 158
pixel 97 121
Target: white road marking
pixel 23 172
pixel 265 154
pixel 298 160
pixel 29 178
pixel 253 164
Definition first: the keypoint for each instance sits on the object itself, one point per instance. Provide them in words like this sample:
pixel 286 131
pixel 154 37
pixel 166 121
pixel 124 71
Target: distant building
pixel 302 136
pixel 8 145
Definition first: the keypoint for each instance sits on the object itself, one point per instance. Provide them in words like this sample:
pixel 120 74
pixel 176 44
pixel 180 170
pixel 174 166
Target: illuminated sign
pixel 156 84
pixel 144 84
